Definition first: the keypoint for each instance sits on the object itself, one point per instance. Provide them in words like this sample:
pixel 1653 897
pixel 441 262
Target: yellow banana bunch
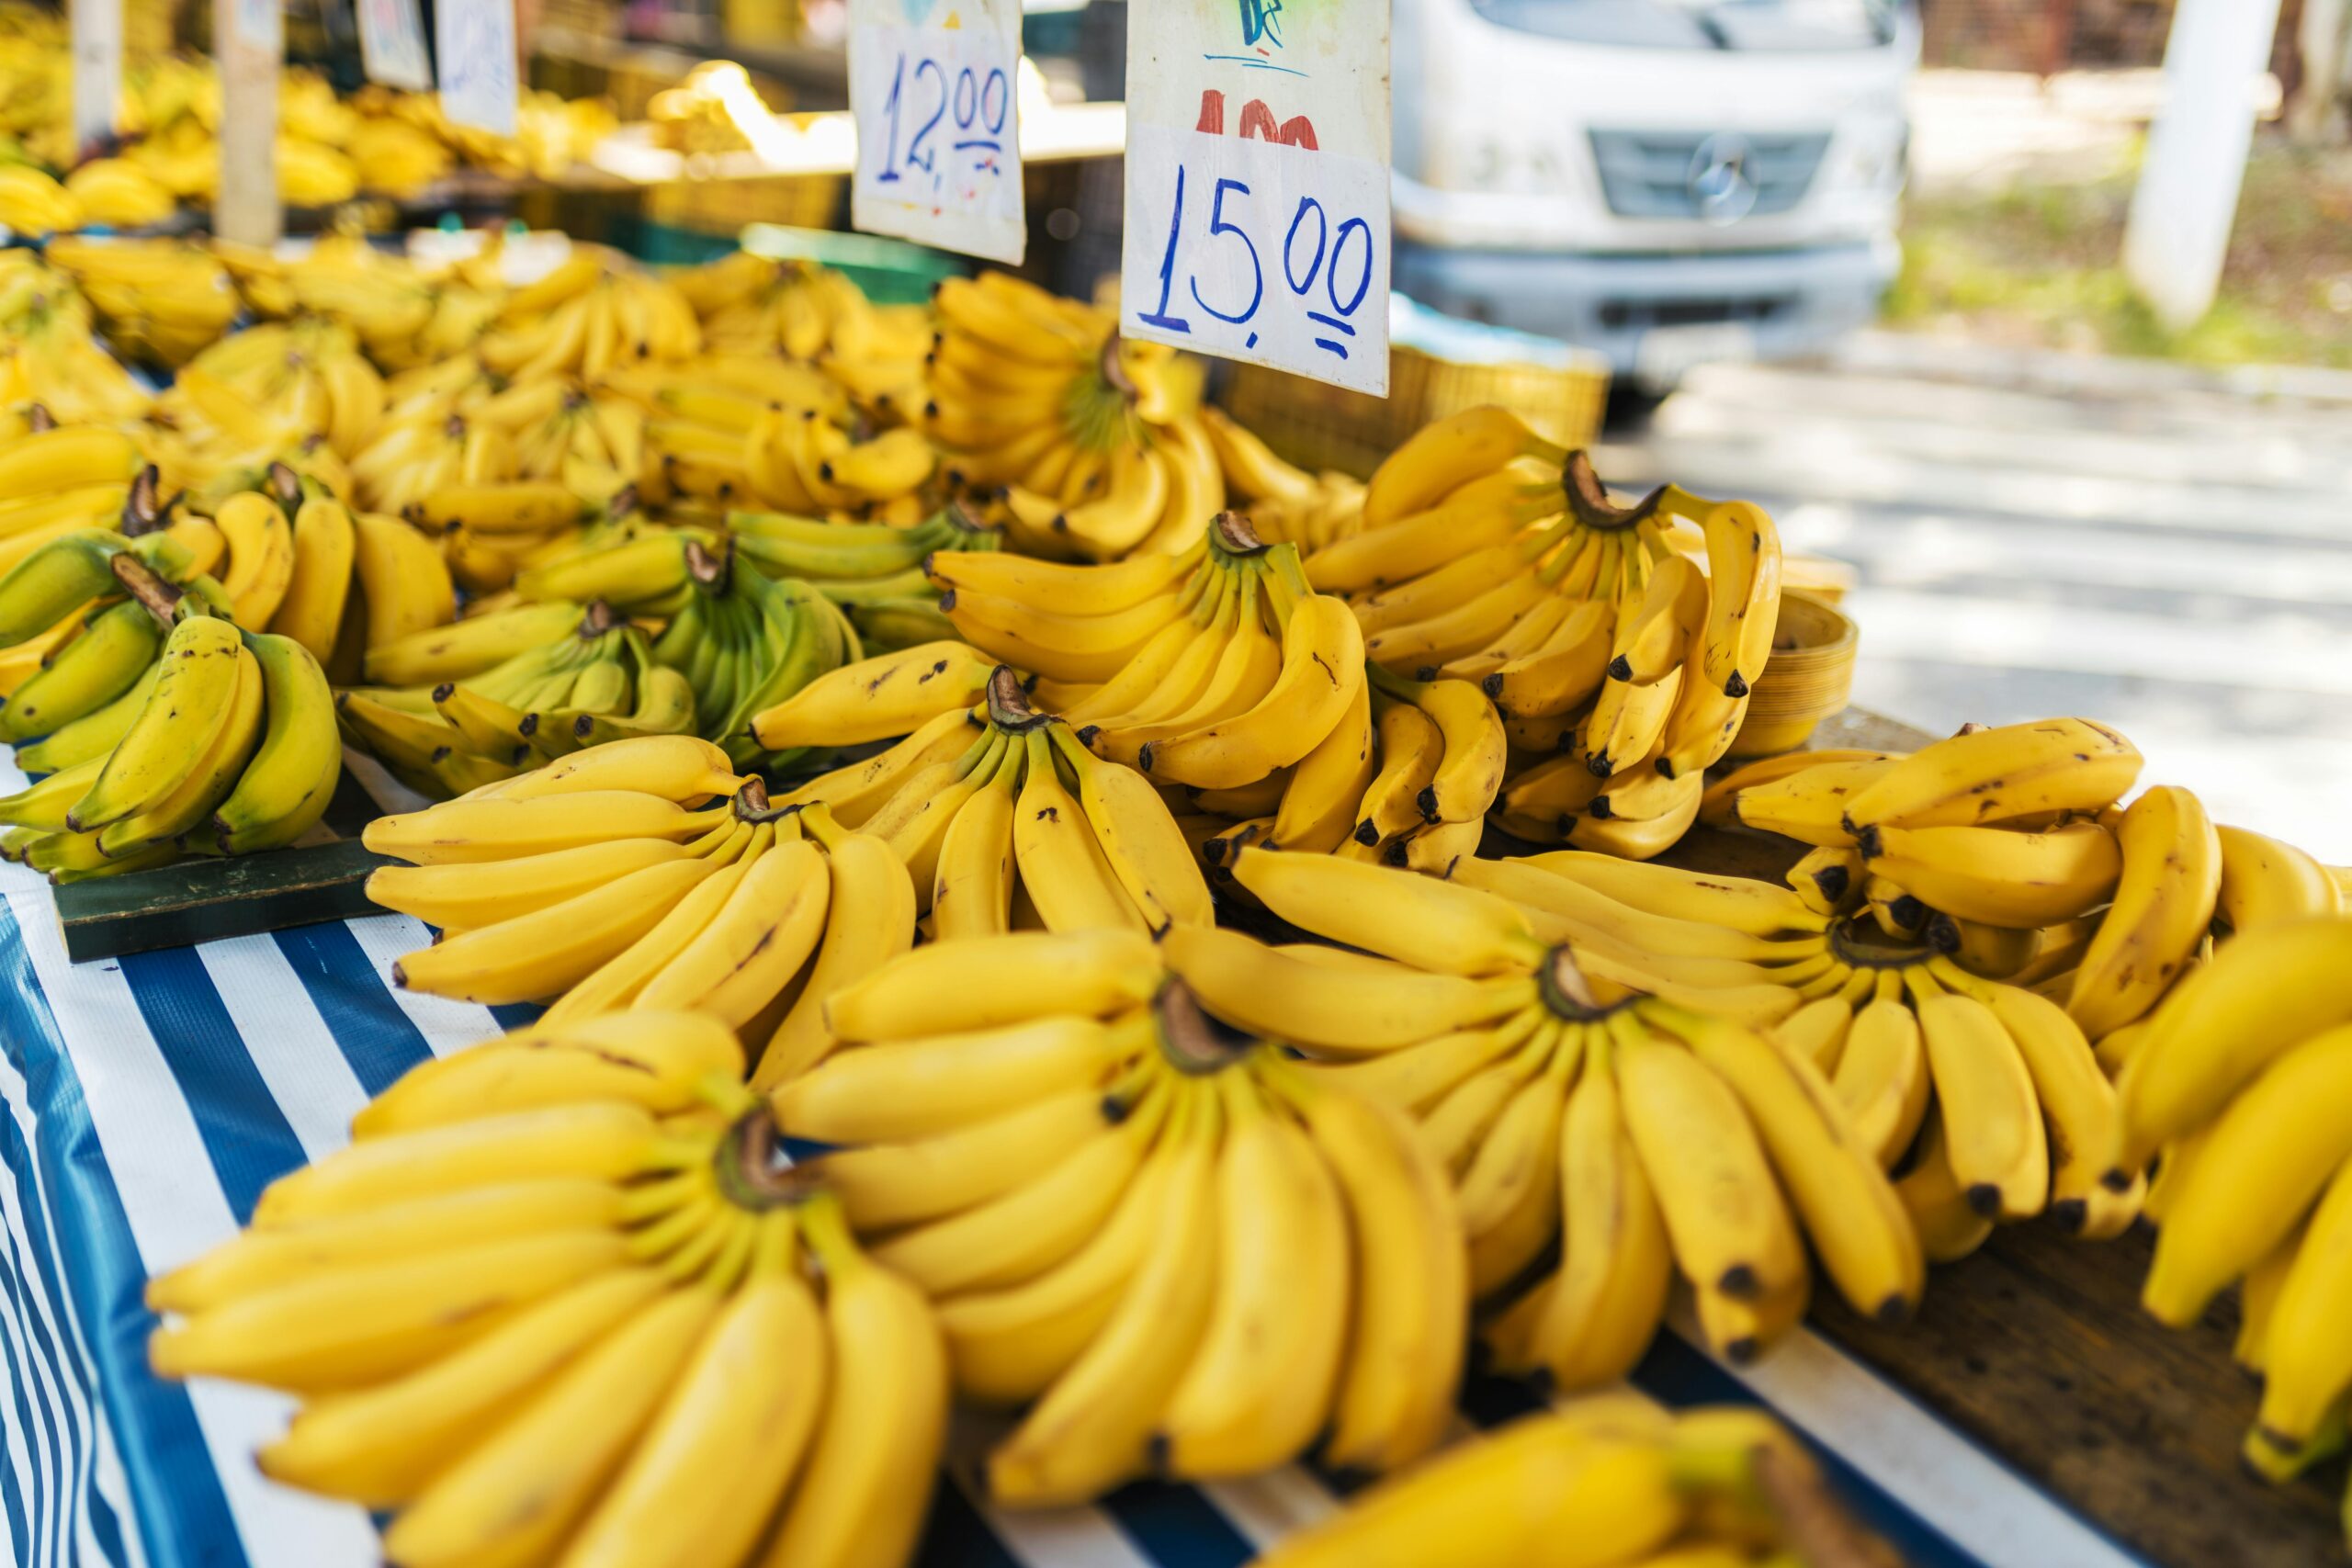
pixel 590 442
pixel 1938 1047
pixel 1285 503
pixel 670 903
pixel 164 301
pixel 417 455
pixel 481 700
pixel 118 194
pixel 720 448
pixel 276 382
pixel 51 359
pixel 1567 1101
pixel 2239 1089
pixel 1180 1252
pixel 1608 1481
pixel 594 312
pixel 557 1297
pixel 1096 441
pixel 1482 552
pixel 1217 668
pixel 59 481
pixel 997 809
pixel 396 158
pixel 311 174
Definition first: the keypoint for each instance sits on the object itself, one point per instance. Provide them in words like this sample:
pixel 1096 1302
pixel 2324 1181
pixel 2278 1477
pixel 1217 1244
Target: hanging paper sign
pixel 1257 200
pixel 474 40
pixel 392 45
pixel 932 87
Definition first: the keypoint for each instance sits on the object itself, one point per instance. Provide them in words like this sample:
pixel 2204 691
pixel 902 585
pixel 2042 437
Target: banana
pixel 1999 876
pixel 1812 807
pixel 2164 899
pixel 1295 999
pixel 548 950
pixel 1724 1216
pixel 1021 975
pixel 402 579
pixel 260 556
pixel 324 544
pixel 889 696
pixel 2264 882
pixel 186 805
pixel 1260 1382
pixel 857 1500
pixel 167 742
pixel 1881 1077
pixel 292 777
pixel 496 826
pixel 2000 775
pixel 2223 1026
pixel 1395 1390
pixel 2078 1104
pixel 1093 1427
pixel 663 1063
pixel 1318 810
pixel 2304 1362
pixel 1990 1115
pixel 521 1489
pixel 109 658
pixel 1137 837
pixel 1440 458
pixel 361 1324
pixel 2267 1158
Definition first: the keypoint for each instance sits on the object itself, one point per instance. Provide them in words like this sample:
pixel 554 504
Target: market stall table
pixel 2032 1417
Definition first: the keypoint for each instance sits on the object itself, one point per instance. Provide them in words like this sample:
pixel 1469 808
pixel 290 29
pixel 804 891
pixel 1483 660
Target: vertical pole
pixel 2188 196
pixel 249 36
pixel 97 72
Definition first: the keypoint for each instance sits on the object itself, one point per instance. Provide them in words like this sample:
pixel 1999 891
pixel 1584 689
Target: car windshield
pixel 1748 25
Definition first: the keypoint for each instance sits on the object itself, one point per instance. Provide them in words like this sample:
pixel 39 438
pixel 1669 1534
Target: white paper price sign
pixel 392 45
pixel 933 86
pixel 1257 200
pixel 474 40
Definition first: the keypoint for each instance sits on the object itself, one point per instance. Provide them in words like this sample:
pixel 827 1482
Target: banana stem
pixel 145 584
pixel 1192 1041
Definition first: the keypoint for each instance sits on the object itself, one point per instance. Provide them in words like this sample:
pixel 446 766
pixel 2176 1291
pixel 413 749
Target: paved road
pixel 2166 552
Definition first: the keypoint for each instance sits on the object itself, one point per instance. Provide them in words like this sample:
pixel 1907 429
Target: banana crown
pixel 557 1281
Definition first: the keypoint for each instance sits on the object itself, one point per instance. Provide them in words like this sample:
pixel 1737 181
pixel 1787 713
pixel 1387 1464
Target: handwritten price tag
pixel 938 124
pixel 475 42
pixel 392 45
pixel 1257 200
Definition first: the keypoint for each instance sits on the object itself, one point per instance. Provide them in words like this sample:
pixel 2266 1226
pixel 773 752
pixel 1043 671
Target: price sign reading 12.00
pixel 933 86
pixel 1257 200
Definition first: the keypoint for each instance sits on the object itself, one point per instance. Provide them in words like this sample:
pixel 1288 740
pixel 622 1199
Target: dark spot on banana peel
pixel 1366 834
pixel 1598 765
pixel 1393 854
pixel 1424 671
pixel 1833 881
pixel 948 601
pixel 1491 684
pixel 1664 765
pixel 1985 1200
pixel 1736 686
pixel 1601 810
pixel 1893 1310
pixel 2070 1213
pixel 2116 1180
pixel 1744 1350
pixel 1426 802
pixel 1866 840
pixel 1621 668
pixel 1740 1283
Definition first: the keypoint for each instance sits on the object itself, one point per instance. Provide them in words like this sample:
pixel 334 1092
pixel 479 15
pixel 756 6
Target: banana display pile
pixel 1181 1253
pixel 556 1302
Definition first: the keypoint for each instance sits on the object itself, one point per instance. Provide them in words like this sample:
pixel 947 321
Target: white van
pixel 1665 181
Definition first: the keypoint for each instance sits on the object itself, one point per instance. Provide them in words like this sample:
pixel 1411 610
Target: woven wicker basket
pixel 1319 426
pixel 1809 678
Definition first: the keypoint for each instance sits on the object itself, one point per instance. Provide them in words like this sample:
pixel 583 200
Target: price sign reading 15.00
pixel 1257 209
pixel 1256 251
pixel 938 132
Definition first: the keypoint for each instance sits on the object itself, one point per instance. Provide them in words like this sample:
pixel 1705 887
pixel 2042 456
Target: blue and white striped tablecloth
pixel 148 1100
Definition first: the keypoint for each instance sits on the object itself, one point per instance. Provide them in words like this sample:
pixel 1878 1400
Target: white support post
pixel 2187 196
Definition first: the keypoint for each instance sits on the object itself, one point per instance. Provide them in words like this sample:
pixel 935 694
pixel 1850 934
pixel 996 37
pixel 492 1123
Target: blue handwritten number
pixel 890 175
pixel 1161 318
pixel 996 84
pixel 1299 285
pixel 1364 284
pixel 968 98
pixel 916 157
pixel 1218 225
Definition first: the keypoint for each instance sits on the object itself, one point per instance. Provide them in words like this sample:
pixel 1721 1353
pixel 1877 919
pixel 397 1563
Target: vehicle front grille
pixel 1648 173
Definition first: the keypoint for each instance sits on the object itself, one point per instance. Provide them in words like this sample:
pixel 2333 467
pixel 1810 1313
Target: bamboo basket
pixel 1810 676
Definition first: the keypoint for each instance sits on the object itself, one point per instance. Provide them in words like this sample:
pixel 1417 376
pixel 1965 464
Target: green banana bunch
pixel 875 571
pixel 226 744
pixel 745 641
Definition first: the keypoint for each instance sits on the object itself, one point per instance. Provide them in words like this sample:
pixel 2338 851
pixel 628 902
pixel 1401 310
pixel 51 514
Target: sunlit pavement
pixel 2166 549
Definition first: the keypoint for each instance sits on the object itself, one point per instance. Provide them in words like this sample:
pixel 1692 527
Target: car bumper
pixel 1654 316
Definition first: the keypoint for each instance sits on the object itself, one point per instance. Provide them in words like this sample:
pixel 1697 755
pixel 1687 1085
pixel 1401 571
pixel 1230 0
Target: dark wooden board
pixel 2036 1347
pixel 204 900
